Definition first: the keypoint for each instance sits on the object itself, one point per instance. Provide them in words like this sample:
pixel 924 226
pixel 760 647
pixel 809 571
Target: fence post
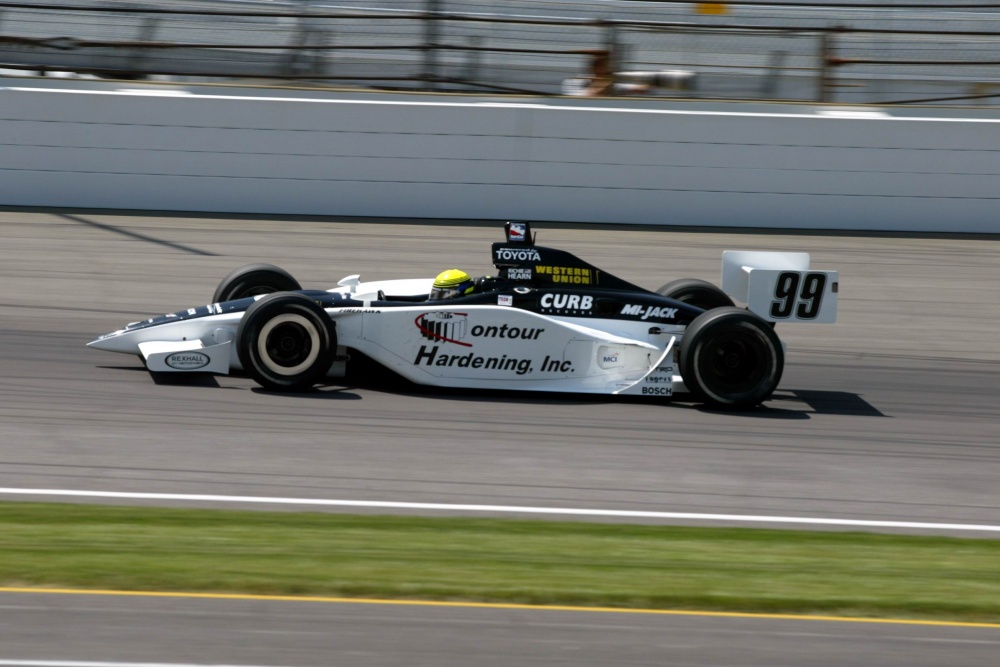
pixel 614 51
pixel 824 66
pixel 303 58
pixel 611 46
pixel 472 59
pixel 770 86
pixel 828 60
pixel 137 60
pixel 431 35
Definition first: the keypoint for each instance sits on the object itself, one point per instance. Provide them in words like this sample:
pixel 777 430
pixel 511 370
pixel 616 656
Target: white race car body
pixel 551 322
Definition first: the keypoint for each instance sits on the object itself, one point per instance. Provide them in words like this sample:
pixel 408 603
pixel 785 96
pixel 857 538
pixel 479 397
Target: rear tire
pixel 254 280
pixel 700 293
pixel 286 342
pixel 731 358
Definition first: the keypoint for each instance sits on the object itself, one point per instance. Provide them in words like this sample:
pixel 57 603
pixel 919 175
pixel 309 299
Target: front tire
pixel 700 293
pixel 731 358
pixel 254 280
pixel 286 342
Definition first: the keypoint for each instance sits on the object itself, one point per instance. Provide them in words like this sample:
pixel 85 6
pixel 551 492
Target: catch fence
pixel 894 52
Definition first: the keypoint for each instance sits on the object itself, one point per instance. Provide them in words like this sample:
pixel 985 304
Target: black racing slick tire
pixel 700 293
pixel 286 342
pixel 254 280
pixel 731 358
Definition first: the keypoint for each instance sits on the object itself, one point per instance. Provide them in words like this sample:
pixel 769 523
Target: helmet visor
pixel 438 293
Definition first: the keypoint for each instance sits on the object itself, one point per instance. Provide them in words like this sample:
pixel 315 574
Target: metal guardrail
pixel 422 44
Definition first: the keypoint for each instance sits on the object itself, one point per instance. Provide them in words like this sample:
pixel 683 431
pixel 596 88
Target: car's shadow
pixel 827 402
pixel 338 391
pixel 173 379
pixel 793 404
pixel 786 404
pixel 185 379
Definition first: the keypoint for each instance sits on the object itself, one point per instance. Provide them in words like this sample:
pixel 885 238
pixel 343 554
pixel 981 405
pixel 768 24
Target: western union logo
pixel 567 274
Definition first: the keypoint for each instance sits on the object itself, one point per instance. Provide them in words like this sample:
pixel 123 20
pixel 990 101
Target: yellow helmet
pixel 452 283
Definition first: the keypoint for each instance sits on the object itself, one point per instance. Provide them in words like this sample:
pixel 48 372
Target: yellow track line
pixel 493 605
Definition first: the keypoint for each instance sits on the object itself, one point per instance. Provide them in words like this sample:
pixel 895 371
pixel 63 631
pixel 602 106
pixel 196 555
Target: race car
pixel 548 321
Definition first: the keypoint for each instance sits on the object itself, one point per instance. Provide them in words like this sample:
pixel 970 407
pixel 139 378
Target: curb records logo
pixel 517 255
pixel 567 303
pixel 447 327
pixel 187 361
pixel 517 231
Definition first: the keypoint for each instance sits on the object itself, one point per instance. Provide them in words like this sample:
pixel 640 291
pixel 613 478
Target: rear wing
pixel 780 286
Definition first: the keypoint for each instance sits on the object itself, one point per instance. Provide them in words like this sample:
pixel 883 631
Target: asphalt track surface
pixel 890 414
pixel 41 630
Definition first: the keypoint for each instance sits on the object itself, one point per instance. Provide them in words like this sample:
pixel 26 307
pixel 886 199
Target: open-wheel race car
pixel 548 321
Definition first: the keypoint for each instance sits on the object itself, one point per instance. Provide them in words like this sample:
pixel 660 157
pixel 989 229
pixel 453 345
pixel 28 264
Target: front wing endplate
pixel 186 356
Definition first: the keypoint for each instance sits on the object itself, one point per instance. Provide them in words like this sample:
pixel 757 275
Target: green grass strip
pixel 496 560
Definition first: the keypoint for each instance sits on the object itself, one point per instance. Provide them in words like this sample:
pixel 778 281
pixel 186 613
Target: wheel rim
pixel 288 344
pixel 731 363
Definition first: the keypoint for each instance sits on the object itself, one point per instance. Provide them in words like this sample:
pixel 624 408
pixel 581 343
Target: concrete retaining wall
pixel 80 144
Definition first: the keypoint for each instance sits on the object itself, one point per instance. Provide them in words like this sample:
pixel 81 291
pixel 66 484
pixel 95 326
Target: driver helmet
pixel 452 283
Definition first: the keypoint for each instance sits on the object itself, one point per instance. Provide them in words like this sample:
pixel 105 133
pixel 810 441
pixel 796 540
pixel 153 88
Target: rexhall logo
pixel 187 361
pixel 647 312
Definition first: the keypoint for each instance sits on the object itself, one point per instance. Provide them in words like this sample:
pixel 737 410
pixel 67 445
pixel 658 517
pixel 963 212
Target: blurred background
pixel 886 51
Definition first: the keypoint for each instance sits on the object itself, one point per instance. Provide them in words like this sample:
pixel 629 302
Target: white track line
pixel 73 663
pixel 505 509
pixel 851 114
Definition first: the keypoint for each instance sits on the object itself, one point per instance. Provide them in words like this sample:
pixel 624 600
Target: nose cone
pixel 114 342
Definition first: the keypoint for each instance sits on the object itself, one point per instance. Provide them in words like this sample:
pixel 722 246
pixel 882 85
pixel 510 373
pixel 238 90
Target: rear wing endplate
pixel 780 286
